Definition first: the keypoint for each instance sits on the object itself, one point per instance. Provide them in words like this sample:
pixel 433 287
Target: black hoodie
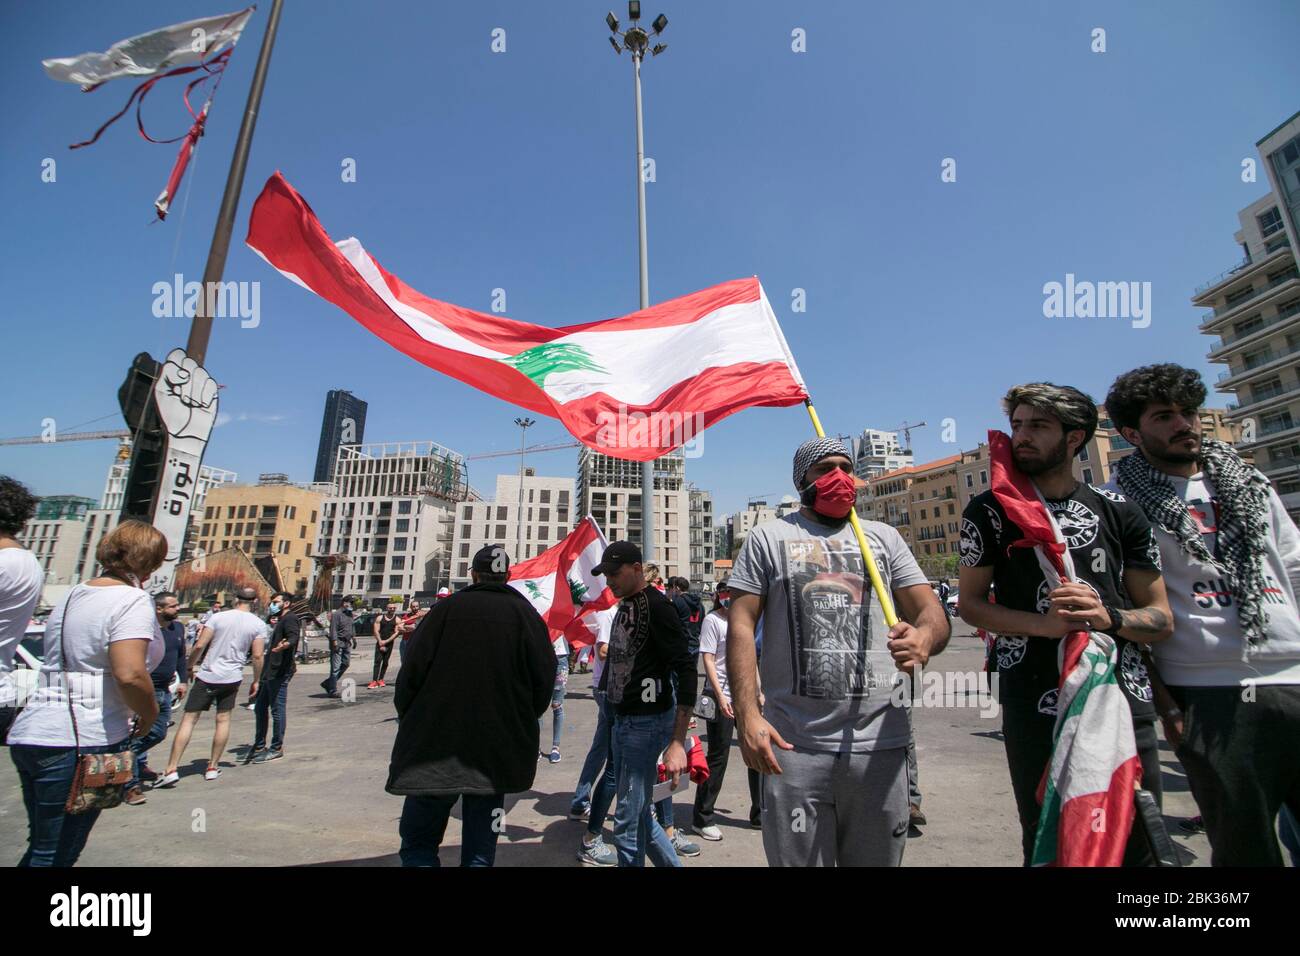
pixel 469 694
pixel 690 610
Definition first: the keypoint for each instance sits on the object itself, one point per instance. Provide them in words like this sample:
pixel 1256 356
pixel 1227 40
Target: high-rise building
pixel 1255 312
pixel 272 517
pixel 876 452
pixel 609 489
pixel 391 512
pixel 344 423
pixel 548 516
pixel 701 532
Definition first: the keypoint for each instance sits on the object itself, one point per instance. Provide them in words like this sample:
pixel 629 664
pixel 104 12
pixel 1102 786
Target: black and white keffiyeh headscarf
pixel 813 451
pixel 1242 493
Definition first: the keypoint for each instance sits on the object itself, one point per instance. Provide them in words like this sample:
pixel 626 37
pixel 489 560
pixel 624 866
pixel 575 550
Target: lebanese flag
pixel 1087 787
pixel 561 585
pixel 634 387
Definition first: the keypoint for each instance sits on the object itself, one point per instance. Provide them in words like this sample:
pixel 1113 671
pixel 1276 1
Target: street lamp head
pixel 634 9
pixel 612 21
pixel 661 21
pixel 636 40
pixel 658 48
pixel 614 43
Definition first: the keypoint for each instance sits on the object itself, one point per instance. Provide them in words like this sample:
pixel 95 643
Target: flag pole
pixel 201 328
pixel 877 583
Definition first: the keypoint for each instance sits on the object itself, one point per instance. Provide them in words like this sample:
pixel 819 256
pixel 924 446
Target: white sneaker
pixel 709 833
pixel 212 773
pixel 167 780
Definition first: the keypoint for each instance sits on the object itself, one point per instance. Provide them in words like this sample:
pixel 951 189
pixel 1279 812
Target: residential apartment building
pixel 272 517
pixel 609 489
pixel 1255 312
pixel 548 516
pixel 392 511
pixel 876 452
pixel 54 535
pixel 701 530
pixel 756 512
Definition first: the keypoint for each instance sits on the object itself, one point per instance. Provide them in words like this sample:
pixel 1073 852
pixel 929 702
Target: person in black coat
pixel 480 674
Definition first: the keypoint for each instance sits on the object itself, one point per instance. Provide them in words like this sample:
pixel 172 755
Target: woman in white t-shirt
pixel 101 642
pixel 713 651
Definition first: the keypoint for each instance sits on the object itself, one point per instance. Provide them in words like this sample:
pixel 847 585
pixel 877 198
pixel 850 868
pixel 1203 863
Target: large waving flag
pixel 1087 788
pixel 633 387
pixel 561 585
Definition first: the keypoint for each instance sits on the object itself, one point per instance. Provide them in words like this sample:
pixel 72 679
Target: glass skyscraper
pixel 344 423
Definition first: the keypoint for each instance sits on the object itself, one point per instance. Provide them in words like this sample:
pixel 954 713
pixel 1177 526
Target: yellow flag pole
pixel 877 583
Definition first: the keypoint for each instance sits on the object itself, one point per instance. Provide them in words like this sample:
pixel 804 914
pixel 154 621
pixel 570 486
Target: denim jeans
pixel 557 701
pixel 638 741
pixel 53 837
pixel 140 745
pixel 424 822
pixel 272 695
pixel 340 658
pixel 598 768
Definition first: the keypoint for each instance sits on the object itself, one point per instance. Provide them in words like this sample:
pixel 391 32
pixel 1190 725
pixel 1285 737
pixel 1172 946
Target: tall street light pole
pixel 524 424
pixel 635 40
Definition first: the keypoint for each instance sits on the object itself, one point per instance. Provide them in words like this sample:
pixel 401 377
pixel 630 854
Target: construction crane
pixel 66 436
pixel 526 451
pixel 906 429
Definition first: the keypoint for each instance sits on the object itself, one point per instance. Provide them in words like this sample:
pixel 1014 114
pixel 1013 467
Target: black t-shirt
pixel 1105 533
pixel 386 625
pixel 647 645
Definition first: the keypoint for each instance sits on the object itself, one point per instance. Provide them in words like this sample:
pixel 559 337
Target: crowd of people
pixel 1186 562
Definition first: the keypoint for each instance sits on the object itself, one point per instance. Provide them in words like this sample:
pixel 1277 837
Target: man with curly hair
pixel 1231 558
pixel 20 587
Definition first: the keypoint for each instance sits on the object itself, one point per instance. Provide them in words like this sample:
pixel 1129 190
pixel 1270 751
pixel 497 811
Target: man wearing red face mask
pixel 830 743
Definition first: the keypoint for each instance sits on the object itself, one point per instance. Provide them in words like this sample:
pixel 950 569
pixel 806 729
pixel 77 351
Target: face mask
pixel 832 494
pixel 274 609
pixel 725 602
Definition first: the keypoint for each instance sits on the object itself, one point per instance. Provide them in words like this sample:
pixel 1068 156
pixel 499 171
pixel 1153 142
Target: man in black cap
pixel 829 740
pixel 467 727
pixel 647 650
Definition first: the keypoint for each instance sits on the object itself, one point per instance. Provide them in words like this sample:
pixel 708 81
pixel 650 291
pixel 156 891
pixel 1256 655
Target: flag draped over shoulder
pixel 561 585
pixel 633 387
pixel 1087 788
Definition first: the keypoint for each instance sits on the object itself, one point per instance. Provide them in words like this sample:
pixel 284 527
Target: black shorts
pixel 203 695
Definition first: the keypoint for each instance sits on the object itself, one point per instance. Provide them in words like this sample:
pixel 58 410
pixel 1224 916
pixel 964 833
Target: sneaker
pixel 383 684
pixel 147 775
pixel 252 754
pixel 756 822
pixel 683 846
pixel 555 755
pixel 597 853
pixel 212 773
pixel 1194 824
pixel 580 811
pixel 266 755
pixel 134 797
pixel 915 817
pixel 710 832
pixel 167 780
pixel 372 685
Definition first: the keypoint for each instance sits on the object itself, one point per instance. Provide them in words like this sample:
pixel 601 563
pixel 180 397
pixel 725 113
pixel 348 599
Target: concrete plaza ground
pixel 324 804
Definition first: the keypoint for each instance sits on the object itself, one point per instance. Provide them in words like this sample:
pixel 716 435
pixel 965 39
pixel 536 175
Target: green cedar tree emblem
pixel 551 358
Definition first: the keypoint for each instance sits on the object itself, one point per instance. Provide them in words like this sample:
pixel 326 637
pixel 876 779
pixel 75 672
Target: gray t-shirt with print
pixel 826 670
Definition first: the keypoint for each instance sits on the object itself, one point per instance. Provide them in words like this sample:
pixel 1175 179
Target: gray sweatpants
pixel 836 809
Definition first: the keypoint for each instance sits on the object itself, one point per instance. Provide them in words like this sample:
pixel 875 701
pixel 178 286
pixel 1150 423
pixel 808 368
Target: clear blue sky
pixel 478 170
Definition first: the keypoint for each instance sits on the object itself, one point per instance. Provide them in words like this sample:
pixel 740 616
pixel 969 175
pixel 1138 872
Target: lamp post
pixel 524 424
pixel 636 40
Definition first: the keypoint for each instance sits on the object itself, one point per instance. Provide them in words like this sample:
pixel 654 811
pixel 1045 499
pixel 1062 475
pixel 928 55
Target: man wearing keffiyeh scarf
pixel 1231 559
